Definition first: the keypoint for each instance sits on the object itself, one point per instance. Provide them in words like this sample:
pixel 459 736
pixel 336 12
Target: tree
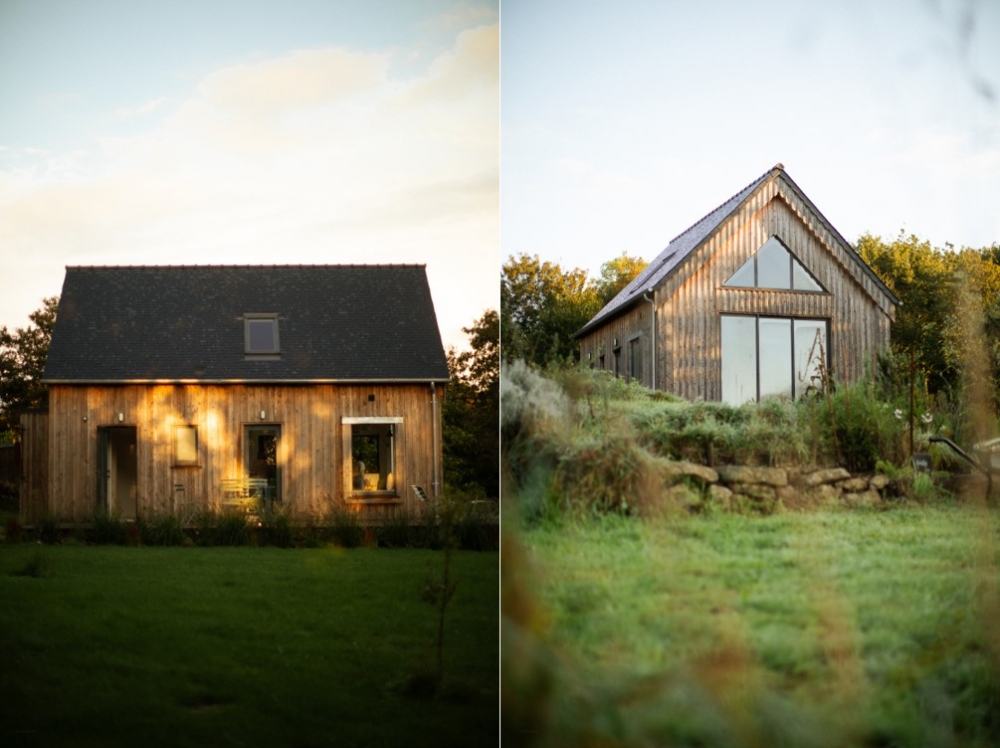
pixel 22 361
pixel 929 281
pixel 471 412
pixel 542 307
pixel 616 274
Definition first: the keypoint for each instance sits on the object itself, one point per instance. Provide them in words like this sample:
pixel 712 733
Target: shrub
pixel 231 528
pixel 48 529
pixel 14 530
pixel 312 534
pixel 276 530
pixel 107 529
pixel 163 530
pixel 39 565
pixel 345 527
pixel 395 531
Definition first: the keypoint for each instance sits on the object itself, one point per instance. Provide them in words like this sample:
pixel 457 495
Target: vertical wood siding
pixel 635 323
pixel 689 302
pixel 34 467
pixel 310 452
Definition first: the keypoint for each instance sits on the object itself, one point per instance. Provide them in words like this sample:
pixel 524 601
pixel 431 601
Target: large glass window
pixel 371 459
pixel 771 357
pixel 773 266
pixel 739 359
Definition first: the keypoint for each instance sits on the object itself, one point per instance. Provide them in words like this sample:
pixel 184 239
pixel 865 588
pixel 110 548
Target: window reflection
pixel 739 359
pixel 771 357
pixel 774 341
pixel 773 266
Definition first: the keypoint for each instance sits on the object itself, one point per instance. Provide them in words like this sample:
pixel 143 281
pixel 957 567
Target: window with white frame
pixel 370 455
pixel 772 357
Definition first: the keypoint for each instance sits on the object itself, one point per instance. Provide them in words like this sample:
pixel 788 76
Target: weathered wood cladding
pixel 635 324
pixel 34 467
pixel 689 302
pixel 310 452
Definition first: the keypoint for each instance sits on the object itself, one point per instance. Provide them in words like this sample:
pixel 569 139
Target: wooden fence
pixel 10 463
pixel 34 467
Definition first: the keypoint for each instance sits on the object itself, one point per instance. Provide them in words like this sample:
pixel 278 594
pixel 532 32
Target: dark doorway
pixel 117 471
pixel 260 456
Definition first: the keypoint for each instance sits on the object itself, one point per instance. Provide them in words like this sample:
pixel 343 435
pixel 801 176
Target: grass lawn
pixel 825 629
pixel 115 646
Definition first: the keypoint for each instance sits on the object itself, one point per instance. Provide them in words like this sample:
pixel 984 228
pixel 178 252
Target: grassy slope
pixel 241 646
pixel 833 628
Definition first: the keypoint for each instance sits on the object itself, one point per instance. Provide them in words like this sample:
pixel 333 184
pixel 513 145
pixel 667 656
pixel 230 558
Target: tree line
pixel 542 305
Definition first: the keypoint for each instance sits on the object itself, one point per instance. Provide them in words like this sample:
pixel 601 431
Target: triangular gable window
pixel 773 266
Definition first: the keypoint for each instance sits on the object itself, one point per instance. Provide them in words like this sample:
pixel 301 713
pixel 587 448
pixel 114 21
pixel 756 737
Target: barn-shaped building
pixel 756 299
pixel 173 389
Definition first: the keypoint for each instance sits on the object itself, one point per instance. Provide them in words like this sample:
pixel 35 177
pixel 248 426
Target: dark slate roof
pixel 681 246
pixel 166 323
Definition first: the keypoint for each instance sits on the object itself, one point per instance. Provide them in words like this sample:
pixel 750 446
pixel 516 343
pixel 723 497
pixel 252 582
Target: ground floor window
pixel 771 357
pixel 370 453
pixel 635 359
pixel 185 445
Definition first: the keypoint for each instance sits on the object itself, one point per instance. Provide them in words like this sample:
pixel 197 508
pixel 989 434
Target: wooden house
pixel 756 299
pixel 173 389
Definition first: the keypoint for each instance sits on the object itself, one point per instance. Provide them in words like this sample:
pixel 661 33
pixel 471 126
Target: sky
pixel 624 123
pixel 248 132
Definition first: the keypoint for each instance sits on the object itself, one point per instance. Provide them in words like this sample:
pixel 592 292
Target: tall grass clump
pixel 227 528
pixel 344 526
pixel 276 529
pixel 48 529
pixel 162 530
pixel 395 530
pixel 107 529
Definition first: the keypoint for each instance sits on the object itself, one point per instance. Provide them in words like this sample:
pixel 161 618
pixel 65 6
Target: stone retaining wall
pixel 766 488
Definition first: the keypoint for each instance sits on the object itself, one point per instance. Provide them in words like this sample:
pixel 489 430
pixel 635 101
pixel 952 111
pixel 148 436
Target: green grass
pixel 242 646
pixel 837 628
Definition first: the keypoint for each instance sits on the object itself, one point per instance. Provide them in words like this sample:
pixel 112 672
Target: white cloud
pixel 141 110
pixel 313 156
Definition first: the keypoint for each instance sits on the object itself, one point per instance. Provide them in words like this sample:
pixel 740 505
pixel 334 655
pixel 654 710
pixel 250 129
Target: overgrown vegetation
pixel 583 440
pixel 627 624
pixel 475 527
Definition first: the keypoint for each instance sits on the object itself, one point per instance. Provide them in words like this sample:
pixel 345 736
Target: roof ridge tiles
pixel 726 201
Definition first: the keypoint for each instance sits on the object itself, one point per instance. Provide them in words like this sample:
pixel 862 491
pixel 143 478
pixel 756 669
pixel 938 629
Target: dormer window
pixel 260 334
